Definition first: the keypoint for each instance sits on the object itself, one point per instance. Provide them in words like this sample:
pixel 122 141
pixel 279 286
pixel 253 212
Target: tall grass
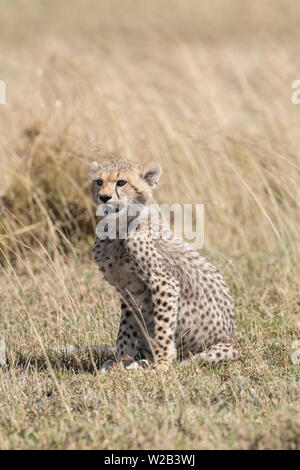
pixel 205 89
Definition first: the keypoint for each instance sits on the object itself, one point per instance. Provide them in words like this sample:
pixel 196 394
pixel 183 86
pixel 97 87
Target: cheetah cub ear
pixel 95 166
pixel 152 173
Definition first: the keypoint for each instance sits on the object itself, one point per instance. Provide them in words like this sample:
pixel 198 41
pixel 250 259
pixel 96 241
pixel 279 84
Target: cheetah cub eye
pixel 121 182
pixel 99 182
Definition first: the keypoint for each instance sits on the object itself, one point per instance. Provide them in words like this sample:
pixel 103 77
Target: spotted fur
pixel 174 302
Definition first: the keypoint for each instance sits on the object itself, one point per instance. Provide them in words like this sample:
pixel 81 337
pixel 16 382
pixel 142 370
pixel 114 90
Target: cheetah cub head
pixel 119 183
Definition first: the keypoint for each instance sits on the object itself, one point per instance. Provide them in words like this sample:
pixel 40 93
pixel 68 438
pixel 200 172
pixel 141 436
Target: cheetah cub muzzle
pixel 174 303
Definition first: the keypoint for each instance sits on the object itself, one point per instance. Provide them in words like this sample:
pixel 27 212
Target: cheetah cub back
pixel 174 302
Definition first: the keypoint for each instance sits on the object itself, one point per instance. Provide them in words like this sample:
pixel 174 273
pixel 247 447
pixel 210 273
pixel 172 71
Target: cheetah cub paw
pixel 128 365
pixel 141 364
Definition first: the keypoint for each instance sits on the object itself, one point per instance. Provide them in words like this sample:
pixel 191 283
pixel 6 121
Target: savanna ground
pixel 205 89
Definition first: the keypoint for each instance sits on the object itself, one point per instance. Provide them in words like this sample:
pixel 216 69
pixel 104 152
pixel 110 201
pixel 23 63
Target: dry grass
pixel 205 89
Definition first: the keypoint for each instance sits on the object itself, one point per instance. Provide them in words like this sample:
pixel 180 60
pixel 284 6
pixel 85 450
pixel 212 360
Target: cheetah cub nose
pixel 105 197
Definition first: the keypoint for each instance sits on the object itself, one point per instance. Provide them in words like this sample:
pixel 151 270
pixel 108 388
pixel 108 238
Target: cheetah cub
pixel 174 303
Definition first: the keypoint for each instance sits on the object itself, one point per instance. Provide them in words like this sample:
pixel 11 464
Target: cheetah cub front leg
pixel 126 340
pixel 165 297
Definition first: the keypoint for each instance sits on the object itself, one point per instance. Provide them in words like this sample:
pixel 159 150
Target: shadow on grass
pixel 67 358
pixel 75 359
